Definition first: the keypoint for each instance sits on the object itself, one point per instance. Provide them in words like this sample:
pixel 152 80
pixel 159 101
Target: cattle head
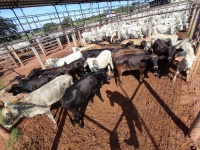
pixel 102 76
pixel 154 60
pixel 7 116
pixel 171 52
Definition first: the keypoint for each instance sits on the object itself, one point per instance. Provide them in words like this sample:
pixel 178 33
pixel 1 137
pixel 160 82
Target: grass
pixel 1 84
pixel 14 135
pixel 1 118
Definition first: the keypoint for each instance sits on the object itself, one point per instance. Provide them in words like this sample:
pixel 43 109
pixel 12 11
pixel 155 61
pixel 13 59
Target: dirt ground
pixel 154 115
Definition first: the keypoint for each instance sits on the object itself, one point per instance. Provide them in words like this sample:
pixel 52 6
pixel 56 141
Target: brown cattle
pixel 136 60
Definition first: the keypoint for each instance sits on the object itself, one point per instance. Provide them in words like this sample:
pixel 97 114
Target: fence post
pixel 38 57
pixel 68 41
pixel 195 23
pixel 96 33
pixel 194 128
pixel 118 31
pixel 74 39
pixel 192 20
pixel 58 41
pixel 80 38
pixel 41 47
pixel 10 49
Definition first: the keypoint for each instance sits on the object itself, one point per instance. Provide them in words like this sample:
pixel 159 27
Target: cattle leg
pixel 177 72
pixel 141 74
pixel 109 70
pixel 82 112
pixel 48 113
pixel 187 75
pixel 76 114
pixel 98 94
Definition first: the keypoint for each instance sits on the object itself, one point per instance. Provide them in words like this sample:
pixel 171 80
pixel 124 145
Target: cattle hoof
pixel 81 124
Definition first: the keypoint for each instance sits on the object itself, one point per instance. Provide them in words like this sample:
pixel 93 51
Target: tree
pixel 135 4
pixel 49 27
pixel 66 22
pixel 8 30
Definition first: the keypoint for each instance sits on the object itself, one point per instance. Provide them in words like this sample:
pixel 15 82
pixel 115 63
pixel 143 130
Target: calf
pixel 37 102
pixel 77 96
pixel 185 59
pixel 165 52
pixel 103 60
pixel 137 60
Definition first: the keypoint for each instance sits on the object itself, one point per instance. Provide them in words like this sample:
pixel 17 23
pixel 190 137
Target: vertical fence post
pixel 10 49
pixel 38 57
pixel 58 41
pixel 194 128
pixel 74 39
pixel 68 41
pixel 80 38
pixel 41 47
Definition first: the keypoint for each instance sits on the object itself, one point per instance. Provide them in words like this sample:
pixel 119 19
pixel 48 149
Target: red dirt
pixel 148 116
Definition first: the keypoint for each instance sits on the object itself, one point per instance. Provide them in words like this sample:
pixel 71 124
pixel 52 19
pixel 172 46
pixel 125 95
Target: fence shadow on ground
pixel 174 118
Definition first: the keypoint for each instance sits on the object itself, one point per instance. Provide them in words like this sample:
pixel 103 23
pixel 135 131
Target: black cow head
pixel 101 76
pixel 154 60
pixel 171 52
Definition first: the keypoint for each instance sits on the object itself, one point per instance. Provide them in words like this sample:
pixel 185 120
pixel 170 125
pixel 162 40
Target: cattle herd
pixel 76 78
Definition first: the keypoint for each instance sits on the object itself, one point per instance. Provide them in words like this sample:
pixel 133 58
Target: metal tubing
pixel 20 23
pixel 26 19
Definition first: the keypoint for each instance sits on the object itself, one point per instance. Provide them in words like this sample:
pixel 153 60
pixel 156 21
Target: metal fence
pixel 66 24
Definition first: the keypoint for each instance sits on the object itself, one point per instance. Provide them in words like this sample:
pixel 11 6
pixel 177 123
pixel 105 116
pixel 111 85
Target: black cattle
pixel 29 86
pixel 38 78
pixel 165 52
pixel 136 60
pixel 77 96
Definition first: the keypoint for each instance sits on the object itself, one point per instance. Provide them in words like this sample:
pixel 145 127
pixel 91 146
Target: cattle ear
pixel 161 57
pixel 179 58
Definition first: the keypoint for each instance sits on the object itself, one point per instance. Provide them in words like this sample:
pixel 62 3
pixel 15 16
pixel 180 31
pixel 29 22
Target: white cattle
pixel 37 102
pixel 56 62
pixel 185 58
pixel 172 37
pixel 164 29
pixel 103 60
pixel 21 46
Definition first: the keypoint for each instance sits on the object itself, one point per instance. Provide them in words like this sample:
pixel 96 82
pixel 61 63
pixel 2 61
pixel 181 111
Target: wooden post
pixel 41 47
pixel 194 128
pixel 118 32
pixel 68 41
pixel 10 49
pixel 96 33
pixel 58 41
pixel 194 23
pixel 74 39
pixel 192 19
pixel 38 57
pixel 80 38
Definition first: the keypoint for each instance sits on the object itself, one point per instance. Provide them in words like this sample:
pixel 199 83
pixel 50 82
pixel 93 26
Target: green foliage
pixel 14 135
pixel 49 27
pixel 1 118
pixel 66 22
pixel 1 84
pixel 8 29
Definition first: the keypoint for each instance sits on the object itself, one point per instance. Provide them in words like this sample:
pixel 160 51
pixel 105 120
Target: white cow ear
pixel 179 58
